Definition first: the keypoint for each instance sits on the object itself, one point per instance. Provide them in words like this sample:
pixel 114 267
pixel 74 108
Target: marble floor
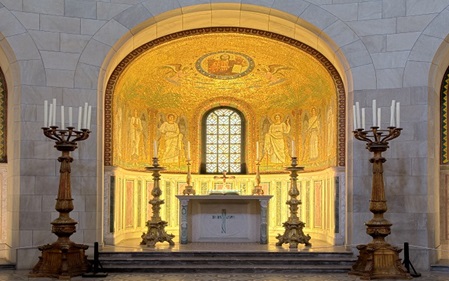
pixel 17 275
pixel 133 245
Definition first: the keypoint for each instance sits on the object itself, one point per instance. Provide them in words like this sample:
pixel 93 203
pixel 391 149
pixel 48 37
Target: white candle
pixel 85 116
pixel 374 113
pixel 398 124
pixel 378 116
pixel 257 151
pixel 70 117
pixel 50 114
pixel 155 149
pixel 89 114
pixel 45 113
pixel 392 113
pixel 62 117
pixel 80 114
pixel 188 150
pixel 363 118
pixel 293 149
pixel 355 118
pixel 54 113
pixel 357 107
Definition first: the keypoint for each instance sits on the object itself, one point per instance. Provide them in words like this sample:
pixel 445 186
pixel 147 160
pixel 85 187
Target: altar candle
pixel 45 113
pixel 393 105
pixel 357 107
pixel 257 151
pixel 363 118
pixel 89 113
pixel 62 117
pixel 80 114
pixel 398 115
pixel 188 150
pixel 293 149
pixel 85 116
pixel 374 113
pixel 155 149
pixel 355 118
pixel 378 116
pixel 70 116
pixel 54 113
pixel 50 114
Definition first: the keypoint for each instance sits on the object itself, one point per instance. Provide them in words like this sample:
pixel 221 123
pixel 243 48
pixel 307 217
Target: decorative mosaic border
pixel 443 115
pixel 341 98
pixel 3 111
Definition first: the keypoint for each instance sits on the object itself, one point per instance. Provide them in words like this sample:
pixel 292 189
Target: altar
pixel 223 218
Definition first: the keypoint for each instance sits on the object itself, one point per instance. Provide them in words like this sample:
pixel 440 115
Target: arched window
pixel 3 106
pixel 223 141
pixel 444 119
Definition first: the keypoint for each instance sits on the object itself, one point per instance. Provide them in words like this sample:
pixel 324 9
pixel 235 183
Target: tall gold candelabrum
pixel 257 188
pixel 156 226
pixel 63 259
pixel 294 234
pixel 188 190
pixel 378 259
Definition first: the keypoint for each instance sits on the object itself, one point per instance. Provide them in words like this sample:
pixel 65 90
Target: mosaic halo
pixel 224 65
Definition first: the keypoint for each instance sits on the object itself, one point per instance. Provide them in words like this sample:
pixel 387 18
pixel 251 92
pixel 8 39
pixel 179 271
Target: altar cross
pixel 224 177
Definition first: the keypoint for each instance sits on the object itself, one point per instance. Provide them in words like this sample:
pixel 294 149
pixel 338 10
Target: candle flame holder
pixel 378 259
pixel 294 234
pixel 156 226
pixel 188 189
pixel 63 259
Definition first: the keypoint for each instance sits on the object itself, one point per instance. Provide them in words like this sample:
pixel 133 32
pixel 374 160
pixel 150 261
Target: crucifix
pixel 224 177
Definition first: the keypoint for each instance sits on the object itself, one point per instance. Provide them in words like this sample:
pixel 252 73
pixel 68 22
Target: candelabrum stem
pixel 294 234
pixel 378 259
pixel 63 259
pixel 188 190
pixel 258 188
pixel 156 226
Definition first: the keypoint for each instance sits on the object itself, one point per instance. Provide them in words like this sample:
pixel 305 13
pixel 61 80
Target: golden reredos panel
pixel 162 94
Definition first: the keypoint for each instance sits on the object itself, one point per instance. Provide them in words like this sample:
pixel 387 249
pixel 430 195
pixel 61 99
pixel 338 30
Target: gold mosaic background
pixel 259 76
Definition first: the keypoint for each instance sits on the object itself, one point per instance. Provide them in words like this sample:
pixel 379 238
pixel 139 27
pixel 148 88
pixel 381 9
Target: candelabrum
pixel 64 258
pixel 257 188
pixel 294 234
pixel 156 226
pixel 188 190
pixel 378 259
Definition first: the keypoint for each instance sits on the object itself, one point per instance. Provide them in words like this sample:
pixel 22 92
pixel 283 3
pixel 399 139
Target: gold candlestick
pixel 156 226
pixel 63 259
pixel 294 234
pixel 257 188
pixel 378 259
pixel 188 189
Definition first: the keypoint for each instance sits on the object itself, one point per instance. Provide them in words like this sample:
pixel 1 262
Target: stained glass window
pixel 223 141
pixel 3 95
pixel 444 119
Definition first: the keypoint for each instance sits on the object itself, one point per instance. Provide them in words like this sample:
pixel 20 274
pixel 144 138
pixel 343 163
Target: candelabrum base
pixel 188 190
pixel 156 233
pixel 379 261
pixel 258 190
pixel 61 261
pixel 293 235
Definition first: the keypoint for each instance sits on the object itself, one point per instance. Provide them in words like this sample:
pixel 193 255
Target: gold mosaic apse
pixel 160 98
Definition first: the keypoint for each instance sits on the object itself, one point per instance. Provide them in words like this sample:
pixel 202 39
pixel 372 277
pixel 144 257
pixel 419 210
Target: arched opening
pixel 292 99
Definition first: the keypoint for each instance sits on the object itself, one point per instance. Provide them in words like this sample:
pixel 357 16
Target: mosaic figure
pixel 172 140
pixel 274 145
pixel 136 134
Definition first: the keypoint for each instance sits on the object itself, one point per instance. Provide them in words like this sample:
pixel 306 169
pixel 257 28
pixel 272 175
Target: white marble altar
pixel 223 218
